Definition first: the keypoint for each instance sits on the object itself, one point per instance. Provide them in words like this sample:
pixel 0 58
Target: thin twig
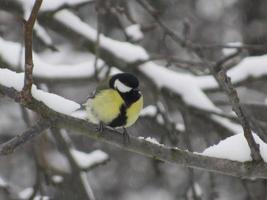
pixel 28 31
pixel 186 42
pixel 11 145
pixel 97 43
pixel 64 141
pixel 225 82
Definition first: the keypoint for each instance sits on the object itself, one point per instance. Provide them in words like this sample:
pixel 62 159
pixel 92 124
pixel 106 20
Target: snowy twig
pixel 225 82
pixel 65 143
pixel 97 49
pixel 28 30
pixel 11 145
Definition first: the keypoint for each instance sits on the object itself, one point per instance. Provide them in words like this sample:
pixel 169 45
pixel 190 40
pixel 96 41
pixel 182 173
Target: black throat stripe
pixel 130 97
pixel 121 119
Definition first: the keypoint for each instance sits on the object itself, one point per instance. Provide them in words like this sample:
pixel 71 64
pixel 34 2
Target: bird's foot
pixel 100 127
pixel 126 137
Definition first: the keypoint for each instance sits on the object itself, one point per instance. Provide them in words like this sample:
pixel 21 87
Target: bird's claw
pixel 126 137
pixel 100 127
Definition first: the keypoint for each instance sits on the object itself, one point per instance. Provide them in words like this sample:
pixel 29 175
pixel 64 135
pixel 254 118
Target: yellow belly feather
pixel 106 105
pixel 133 112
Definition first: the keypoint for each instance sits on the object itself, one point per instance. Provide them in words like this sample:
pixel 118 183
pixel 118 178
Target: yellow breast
pixel 133 112
pixel 106 105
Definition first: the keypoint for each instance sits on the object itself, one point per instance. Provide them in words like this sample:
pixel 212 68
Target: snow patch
pixel 253 66
pixel 150 111
pixel 86 160
pixel 235 148
pixel 60 104
pixel 151 140
pixel 134 32
pixel 57 179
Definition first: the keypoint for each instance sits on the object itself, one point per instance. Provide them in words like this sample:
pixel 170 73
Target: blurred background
pixel 45 168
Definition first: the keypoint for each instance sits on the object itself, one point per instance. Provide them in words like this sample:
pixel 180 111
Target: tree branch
pixel 143 147
pixel 28 31
pixel 225 82
pixel 11 145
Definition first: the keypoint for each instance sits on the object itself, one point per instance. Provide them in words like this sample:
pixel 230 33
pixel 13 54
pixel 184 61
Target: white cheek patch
pixel 121 87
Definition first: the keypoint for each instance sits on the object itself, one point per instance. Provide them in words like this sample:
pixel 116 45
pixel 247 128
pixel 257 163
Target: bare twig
pixel 11 145
pixel 225 82
pixel 186 42
pixel 155 15
pixel 28 31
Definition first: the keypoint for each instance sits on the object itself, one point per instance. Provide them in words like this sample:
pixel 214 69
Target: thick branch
pixel 28 31
pixel 143 147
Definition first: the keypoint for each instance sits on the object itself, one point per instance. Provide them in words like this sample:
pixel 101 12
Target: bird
pixel 118 105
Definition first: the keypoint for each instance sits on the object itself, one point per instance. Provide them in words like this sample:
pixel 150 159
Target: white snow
pixel 235 148
pixel 86 160
pixel 60 104
pixel 180 83
pixel 180 127
pixel 26 193
pixel 123 50
pixel 253 66
pixel 10 53
pixel 229 51
pixel 58 161
pixel 81 114
pixel 150 111
pixel 3 183
pixel 151 140
pixel 49 5
pixel 134 32
pixel 57 179
pixel 11 79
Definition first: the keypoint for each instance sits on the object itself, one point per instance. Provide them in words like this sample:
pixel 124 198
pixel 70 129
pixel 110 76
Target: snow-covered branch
pixel 137 145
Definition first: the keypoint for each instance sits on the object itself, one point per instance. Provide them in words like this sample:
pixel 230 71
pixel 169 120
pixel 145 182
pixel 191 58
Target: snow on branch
pixel 89 160
pixel 141 146
pixel 126 51
pixel 10 54
pixel 236 148
pixel 14 80
pixel 249 67
pixel 51 5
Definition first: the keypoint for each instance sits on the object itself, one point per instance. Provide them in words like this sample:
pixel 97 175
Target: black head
pixel 124 82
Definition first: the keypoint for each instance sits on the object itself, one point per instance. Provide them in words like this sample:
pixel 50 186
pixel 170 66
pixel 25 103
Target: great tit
pixel 119 105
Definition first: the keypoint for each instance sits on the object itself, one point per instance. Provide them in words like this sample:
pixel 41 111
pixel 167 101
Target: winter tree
pixel 202 68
